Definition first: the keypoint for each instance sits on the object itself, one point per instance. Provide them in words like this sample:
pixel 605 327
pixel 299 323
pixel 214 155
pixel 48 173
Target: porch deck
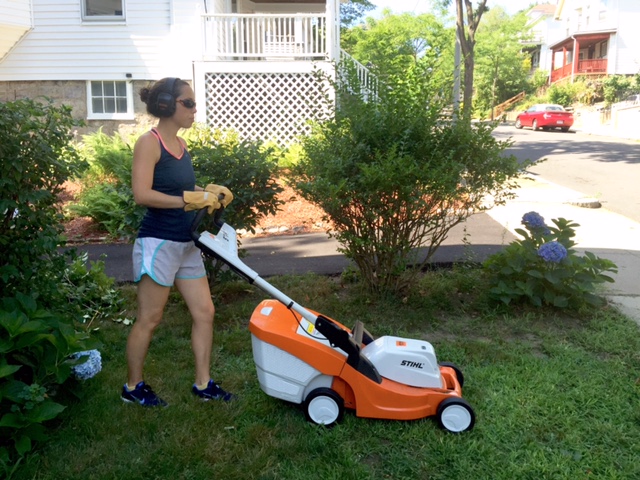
pixel 238 37
pixel 592 67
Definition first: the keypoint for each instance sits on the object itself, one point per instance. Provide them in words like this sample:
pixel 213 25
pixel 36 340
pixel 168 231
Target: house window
pixel 102 10
pixel 604 46
pixel 604 6
pixel 109 100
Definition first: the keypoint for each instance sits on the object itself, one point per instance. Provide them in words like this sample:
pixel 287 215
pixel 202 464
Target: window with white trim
pixel 103 10
pixel 109 100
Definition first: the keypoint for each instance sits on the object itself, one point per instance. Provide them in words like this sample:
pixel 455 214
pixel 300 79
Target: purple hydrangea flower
pixel 535 221
pixel 90 367
pixel 552 252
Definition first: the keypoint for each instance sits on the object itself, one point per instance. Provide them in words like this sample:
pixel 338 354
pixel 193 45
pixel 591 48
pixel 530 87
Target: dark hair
pixel 166 86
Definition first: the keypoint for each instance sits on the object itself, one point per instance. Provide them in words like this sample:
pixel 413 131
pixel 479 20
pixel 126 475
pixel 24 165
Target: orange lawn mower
pixel 305 358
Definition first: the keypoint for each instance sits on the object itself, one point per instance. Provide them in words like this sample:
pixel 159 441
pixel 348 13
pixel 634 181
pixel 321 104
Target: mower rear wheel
pixel 324 406
pixel 455 415
pixel 459 374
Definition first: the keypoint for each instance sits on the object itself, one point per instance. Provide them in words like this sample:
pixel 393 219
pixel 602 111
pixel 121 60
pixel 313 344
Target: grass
pixel 555 395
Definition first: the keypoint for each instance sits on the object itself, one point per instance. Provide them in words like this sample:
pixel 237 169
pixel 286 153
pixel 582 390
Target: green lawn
pixel 555 396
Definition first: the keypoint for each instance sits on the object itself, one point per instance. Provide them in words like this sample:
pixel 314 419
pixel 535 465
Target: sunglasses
pixel 187 103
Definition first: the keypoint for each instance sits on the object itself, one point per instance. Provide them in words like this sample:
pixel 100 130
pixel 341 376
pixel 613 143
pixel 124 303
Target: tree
pixel 501 66
pixel 467 22
pixel 395 43
pixel 353 11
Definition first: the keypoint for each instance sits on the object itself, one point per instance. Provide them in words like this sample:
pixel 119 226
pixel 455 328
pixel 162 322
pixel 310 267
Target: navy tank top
pixel 172 175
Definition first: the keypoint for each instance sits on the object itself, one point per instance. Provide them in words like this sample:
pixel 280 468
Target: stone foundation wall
pixel 74 95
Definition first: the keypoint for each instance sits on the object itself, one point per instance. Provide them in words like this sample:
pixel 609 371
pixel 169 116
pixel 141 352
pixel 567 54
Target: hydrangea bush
pixel 542 268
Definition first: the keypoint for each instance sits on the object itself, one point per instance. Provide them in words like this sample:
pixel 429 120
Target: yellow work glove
pixel 198 200
pixel 220 190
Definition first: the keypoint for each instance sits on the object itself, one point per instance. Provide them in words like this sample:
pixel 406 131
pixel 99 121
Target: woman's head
pixel 161 96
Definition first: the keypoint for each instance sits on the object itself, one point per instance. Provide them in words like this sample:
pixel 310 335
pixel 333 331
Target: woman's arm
pixel 146 154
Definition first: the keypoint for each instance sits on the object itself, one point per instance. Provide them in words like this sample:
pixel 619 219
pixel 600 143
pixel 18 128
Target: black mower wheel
pixel 455 415
pixel 459 374
pixel 324 406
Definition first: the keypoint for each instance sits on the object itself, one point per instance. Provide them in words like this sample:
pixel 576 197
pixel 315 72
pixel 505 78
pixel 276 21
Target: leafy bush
pixel 394 175
pixel 222 158
pixel 35 159
pixel 47 292
pixel 563 94
pixel 245 167
pixel 543 268
pixel 616 87
pixel 106 194
pixel 36 346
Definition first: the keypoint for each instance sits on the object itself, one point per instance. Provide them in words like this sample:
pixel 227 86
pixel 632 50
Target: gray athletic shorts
pixel 164 260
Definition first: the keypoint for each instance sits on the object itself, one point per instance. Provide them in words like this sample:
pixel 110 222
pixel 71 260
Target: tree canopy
pixel 393 44
pixel 501 67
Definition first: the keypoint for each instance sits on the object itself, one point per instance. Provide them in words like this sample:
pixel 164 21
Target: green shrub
pixel 565 94
pixel 223 158
pixel 246 168
pixel 106 194
pixel 35 159
pixel 616 87
pixel 243 166
pixel 543 268
pixel 395 175
pixel 46 293
pixel 35 367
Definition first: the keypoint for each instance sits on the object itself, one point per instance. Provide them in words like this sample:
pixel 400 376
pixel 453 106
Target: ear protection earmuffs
pixel 166 102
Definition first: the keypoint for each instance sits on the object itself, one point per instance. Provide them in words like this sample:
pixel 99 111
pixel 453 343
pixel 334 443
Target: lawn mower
pixel 306 358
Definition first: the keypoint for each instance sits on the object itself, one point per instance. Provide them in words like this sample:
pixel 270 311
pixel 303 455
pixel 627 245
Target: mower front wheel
pixel 455 415
pixel 324 406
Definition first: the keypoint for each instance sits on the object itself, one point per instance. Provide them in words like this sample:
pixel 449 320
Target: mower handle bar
pixel 217 218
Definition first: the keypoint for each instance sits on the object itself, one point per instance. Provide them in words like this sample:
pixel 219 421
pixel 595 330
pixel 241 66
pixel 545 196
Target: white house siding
pixel 627 43
pixel 157 39
pixel 15 12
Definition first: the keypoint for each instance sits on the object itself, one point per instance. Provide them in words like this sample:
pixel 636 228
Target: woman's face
pixel 185 113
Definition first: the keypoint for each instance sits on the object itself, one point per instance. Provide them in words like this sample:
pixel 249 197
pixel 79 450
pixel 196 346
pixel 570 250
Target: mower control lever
pixel 338 337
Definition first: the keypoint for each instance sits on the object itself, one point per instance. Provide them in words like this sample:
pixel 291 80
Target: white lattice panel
pixel 263 106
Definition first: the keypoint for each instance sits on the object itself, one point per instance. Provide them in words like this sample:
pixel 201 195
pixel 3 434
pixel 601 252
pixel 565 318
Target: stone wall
pixel 74 95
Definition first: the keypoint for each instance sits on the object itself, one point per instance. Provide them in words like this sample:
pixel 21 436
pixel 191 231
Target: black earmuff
pixel 166 102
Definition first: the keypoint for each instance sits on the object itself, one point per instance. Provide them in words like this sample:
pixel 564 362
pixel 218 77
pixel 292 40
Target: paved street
pixel 604 168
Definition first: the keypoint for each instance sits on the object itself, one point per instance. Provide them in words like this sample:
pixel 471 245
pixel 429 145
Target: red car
pixel 545 116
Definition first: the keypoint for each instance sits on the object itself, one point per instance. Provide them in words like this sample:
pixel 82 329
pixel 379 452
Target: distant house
pixel 599 37
pixel 542 27
pixel 251 62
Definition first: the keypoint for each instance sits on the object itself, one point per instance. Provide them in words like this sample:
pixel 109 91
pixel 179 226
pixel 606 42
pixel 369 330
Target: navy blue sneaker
pixel 143 395
pixel 212 392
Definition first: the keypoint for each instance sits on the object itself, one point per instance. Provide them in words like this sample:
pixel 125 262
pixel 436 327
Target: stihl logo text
pixel 407 363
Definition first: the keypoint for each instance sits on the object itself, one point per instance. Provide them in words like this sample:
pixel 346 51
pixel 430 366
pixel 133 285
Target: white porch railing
pixel 366 82
pixel 265 37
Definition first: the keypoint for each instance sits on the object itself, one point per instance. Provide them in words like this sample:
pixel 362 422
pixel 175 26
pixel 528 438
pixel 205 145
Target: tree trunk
pixel 467 38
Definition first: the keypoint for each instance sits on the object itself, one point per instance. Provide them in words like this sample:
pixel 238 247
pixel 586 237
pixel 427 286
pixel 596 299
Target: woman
pixel 164 255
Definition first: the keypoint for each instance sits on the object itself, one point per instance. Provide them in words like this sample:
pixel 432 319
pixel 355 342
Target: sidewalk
pixel 602 232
